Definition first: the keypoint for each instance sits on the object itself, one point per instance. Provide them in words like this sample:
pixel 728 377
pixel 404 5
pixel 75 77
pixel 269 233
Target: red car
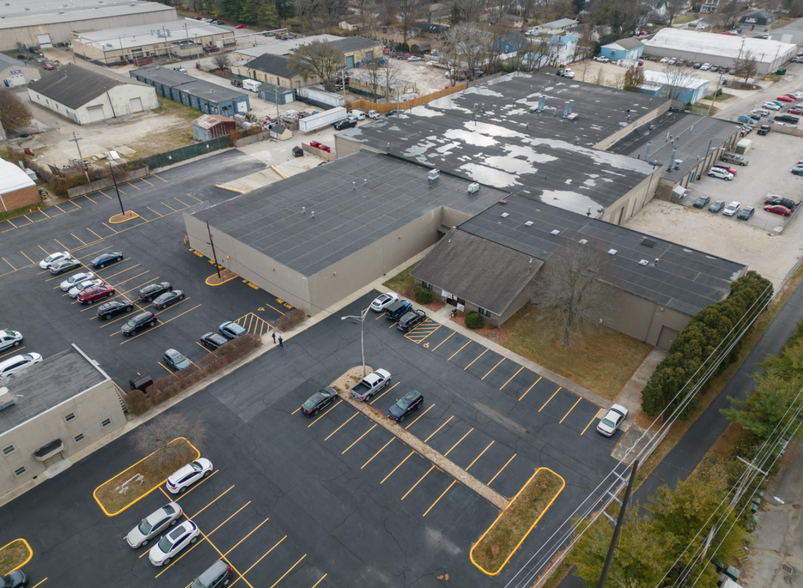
pixel 95 293
pixel 730 170
pixel 777 209
pixel 315 144
pixel 326 148
pixel 241 26
pixel 49 66
pixel 785 99
pixel 796 110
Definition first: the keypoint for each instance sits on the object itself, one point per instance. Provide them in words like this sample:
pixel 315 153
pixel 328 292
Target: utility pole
pixel 214 253
pixel 714 97
pixel 619 521
pixel 114 179
pixel 360 318
pixel 75 140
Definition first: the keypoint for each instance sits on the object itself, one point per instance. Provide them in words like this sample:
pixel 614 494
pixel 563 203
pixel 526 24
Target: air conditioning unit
pixel 528 224
pixel 644 262
pixel 555 232
pixel 583 241
pixel 612 251
pixel 504 215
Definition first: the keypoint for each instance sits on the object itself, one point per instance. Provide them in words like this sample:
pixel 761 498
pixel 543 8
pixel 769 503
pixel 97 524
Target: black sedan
pixel 318 401
pixel 168 299
pixel 64 265
pixel 702 202
pixel 411 320
pixel 213 341
pixel 405 405
pixel 717 206
pixel 787 202
pixel 345 124
pixel 113 308
pixel 105 259
pixel 151 291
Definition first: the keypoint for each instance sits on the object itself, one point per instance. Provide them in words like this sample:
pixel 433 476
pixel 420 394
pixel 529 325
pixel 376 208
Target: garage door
pixel 95 113
pixel 136 105
pixel 44 41
pixel 665 339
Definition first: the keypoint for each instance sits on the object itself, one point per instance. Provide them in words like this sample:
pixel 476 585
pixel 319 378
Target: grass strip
pixel 14 555
pixel 498 544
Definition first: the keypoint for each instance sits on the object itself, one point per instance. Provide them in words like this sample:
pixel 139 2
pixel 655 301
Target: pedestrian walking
pixel 281 342
pixel 274 337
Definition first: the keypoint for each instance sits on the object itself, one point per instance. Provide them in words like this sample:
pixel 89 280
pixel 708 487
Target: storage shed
pixel 276 94
pixel 16 188
pixel 420 49
pixel 212 126
pixel 281 133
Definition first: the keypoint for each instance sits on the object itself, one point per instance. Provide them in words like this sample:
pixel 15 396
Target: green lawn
pixel 171 107
pixel 402 283
pixel 684 18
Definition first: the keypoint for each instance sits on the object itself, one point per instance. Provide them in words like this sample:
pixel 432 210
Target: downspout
pixel 114 114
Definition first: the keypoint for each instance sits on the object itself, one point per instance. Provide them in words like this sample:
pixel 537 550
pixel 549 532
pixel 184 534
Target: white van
pixel 357 114
pixel 16 364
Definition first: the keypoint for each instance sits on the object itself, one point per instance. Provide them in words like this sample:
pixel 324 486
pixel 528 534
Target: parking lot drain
pixel 343 385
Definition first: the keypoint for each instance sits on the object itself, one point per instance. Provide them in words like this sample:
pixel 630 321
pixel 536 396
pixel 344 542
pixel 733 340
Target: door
pixel 666 337
pixel 44 41
pixel 350 61
pixel 95 113
pixel 136 105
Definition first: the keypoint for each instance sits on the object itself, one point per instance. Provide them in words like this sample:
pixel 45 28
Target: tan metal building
pixel 59 410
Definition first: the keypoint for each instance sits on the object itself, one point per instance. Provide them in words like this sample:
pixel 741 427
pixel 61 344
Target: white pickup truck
pixel 371 384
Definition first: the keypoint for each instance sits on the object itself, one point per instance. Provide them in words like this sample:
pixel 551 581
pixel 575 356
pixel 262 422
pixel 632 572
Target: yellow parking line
pixel 77 239
pixel 43 581
pixel 93 253
pixel 511 377
pixel 146 181
pixel 154 212
pixel 46 214
pixel 493 368
pixel 325 412
pixel 133 186
pixel 155 176
pixel 319 581
pixel 88 198
pixel 94 233
pixel 60 208
pixel 28 258
pixel 358 440
pixel 378 452
pixel 168 206
pixel 501 470
pixel 295 411
pixel 284 575
pixel 29 218
pixel 530 388
pixel 138 286
pixel 385 392
pixel 397 467
pixel 475 359
pixel 211 503
pixel 236 571
pixel 421 479
pixel 459 442
pixel 15 350
pixel 593 418
pixel 108 227
pixel 579 398
pixel 73 202
pixel 419 416
pixel 9 264
pixel 246 537
pixel 205 349
pixel 12 224
pixel 445 340
pixel 139 275
pixel 198 485
pixel 160 325
pixel 550 399
pixel 459 350
pixel 121 190
pixel 446 422
pixel 439 497
pixel 264 555
pixel 167 369
pixel 104 193
pixel 480 455
pixel 184 203
pixel 42 248
pixel 123 271
pixel 341 426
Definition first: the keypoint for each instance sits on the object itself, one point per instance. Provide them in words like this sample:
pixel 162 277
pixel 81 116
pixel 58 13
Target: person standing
pixel 274 337
pixel 281 341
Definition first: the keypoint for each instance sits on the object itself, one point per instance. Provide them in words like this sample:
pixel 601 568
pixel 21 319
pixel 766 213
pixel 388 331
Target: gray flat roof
pixel 511 148
pixel 284 47
pixel 173 31
pixel 186 83
pixel 46 385
pixel 351 44
pixel 684 279
pixel 688 133
pixel 50 12
pixel 348 217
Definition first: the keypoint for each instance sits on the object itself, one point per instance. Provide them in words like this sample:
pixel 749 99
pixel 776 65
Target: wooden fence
pixel 384 107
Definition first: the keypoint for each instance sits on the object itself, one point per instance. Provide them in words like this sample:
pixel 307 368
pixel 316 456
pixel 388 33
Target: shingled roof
pixel 73 85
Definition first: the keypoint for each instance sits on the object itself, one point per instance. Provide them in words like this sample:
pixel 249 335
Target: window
pixel 8 450
pixel 19 471
pixel 484 312
pixel 106 423
pixel 78 438
pixel 69 417
pixel 426 285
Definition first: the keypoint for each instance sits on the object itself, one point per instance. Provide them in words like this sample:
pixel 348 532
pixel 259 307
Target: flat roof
pixel 284 47
pixel 684 279
pixel 654 78
pixel 730 46
pixel 47 384
pixel 510 148
pixel 50 12
pixel 688 133
pixel 350 213
pixel 186 83
pixel 174 31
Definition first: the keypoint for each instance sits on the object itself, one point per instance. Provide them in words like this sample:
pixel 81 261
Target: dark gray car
pixel 15 579
pixel 217 575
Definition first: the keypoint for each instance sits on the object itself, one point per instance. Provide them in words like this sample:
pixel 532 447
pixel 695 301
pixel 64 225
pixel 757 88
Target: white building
pixel 86 96
pixel 719 49
pixel 685 89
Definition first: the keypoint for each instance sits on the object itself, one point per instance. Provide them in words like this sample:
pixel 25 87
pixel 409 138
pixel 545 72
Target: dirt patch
pixel 14 555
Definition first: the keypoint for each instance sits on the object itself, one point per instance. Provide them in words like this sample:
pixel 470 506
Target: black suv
pixel 345 124
pixel 765 129
pixel 411 320
pixel 790 204
pixel 113 308
pixel 398 309
pixel 213 340
pixel 405 405
pixel 151 291
pixel 139 323
pixel 701 202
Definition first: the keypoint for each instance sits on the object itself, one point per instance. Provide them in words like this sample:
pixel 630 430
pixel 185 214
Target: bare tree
pixel 408 12
pixel 222 61
pixel 470 10
pixel 319 59
pixel 634 79
pixel 570 289
pixel 389 74
pixel 746 66
pixel 582 67
pixel 158 435
pixel 672 8
pixel 677 80
pixel 375 71
pixel 468 44
pixel 13 112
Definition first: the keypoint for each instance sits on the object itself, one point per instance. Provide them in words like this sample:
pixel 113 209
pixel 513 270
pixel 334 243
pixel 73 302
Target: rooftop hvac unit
pixel 644 262
pixel 504 215
pixel 555 232
pixel 612 251
pixel 648 242
pixel 583 241
pixel 528 224
pixel 571 116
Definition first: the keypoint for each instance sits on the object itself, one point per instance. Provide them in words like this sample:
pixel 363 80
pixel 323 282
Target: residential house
pixel 556 27
pixel 562 49
pixel 709 6
pixel 757 21
pixel 510 43
pixel 631 48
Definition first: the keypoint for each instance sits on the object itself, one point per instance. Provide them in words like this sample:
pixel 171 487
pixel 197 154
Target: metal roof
pixel 763 50
pixel 174 31
pixel 277 65
pixel 73 85
pixel 269 88
pixel 207 121
pixel 629 43
pixel 7 61
pixel 351 44
pixel 186 83
pixel 21 13
pixel 12 177
pixel 284 47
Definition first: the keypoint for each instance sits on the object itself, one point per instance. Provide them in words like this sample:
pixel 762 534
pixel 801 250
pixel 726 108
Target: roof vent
pixel 503 202
pixel 556 232
pixel 648 242
pixel 644 262
pixel 528 224
pixel 583 241
pixel 612 252
pixel 505 215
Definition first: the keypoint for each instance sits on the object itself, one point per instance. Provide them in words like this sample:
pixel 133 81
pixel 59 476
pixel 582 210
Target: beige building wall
pixel 119 101
pixel 629 204
pixel 642 319
pixel 292 83
pixel 94 51
pixel 624 131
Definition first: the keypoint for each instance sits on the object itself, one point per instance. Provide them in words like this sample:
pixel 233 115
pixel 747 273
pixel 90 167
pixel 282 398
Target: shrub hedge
pixel 474 320
pixel 422 295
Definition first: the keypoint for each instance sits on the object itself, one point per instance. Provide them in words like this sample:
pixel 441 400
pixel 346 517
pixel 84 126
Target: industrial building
pixel 16 188
pixel 58 410
pixel 273 69
pixel 205 96
pixel 683 89
pixel 718 49
pixel 179 39
pixel 355 49
pixel 85 96
pixel 630 48
pixel 14 72
pixel 791 33
pixel 52 22
pixel 276 94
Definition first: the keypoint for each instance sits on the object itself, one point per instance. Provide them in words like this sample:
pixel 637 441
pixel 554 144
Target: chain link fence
pixel 182 153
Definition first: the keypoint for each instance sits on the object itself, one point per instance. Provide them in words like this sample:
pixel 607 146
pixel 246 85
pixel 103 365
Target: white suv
pixel 171 544
pixel 184 477
pixel 731 209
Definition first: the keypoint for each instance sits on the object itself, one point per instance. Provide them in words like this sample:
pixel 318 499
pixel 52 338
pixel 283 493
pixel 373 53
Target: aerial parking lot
pixel 333 499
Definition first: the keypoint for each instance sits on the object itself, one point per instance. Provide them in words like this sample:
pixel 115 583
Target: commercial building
pixel 14 72
pixel 16 188
pixel 791 33
pixel 685 90
pixel 180 39
pixel 58 409
pixel 718 49
pixel 355 49
pixel 85 96
pixel 212 126
pixel 630 48
pixel 280 47
pixel 205 96
pixel 274 69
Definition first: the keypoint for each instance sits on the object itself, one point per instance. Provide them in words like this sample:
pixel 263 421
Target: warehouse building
pixel 85 96
pixel 276 94
pixel 718 50
pixel 274 69
pixel 52 22
pixel 14 72
pixel 16 188
pixel 59 409
pixel 205 96
pixel 791 33
pixel 683 89
pixel 179 39
pixel 355 49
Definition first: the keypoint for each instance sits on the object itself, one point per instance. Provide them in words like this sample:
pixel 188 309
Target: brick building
pixel 16 188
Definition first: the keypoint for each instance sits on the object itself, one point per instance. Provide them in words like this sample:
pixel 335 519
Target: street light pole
pixel 116 189
pixel 214 253
pixel 360 318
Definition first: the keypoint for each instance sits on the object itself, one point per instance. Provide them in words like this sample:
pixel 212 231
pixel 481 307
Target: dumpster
pixel 781 72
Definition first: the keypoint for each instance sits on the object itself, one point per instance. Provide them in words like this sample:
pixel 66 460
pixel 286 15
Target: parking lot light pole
pixel 360 318
pixel 214 253
pixel 114 179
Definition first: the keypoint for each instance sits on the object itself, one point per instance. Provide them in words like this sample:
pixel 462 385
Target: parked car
pixel 15 579
pixel 785 99
pixel 52 258
pixel 318 401
pixel 240 26
pixel 754 116
pixel 112 308
pixel 81 286
pixel 217 575
pixel 731 208
pixel 153 524
pixel 771 106
pixel 764 130
pixel 701 202
pixel 705 67
pixel 724 167
pixel 371 384
pixel 601 58
pixel 382 301
pixel 798 110
pixel 777 209
pixel 762 112
pixel 139 323
pixel 414 58
pixel 171 544
pixel 745 213
pixel 785 118
pixel 405 405
pixel 715 172
pixel 231 330
pixel 168 299
pixel 213 340
pixel 64 265
pixel 609 424
pixel 394 112
pixel 17 363
pixel 396 310
pixel 374 114
pixel 357 114
pixel 48 66
pixel 151 291
pixel 344 124
pixel 798 171
pixel 176 359
pixel 74 279
pixel 95 293
pixel 186 476
pixel 9 338
pixel 105 259
pixel 717 206
pixel 775 199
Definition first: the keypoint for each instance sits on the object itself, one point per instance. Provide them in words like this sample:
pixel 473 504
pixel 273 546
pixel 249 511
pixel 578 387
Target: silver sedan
pixel 153 524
